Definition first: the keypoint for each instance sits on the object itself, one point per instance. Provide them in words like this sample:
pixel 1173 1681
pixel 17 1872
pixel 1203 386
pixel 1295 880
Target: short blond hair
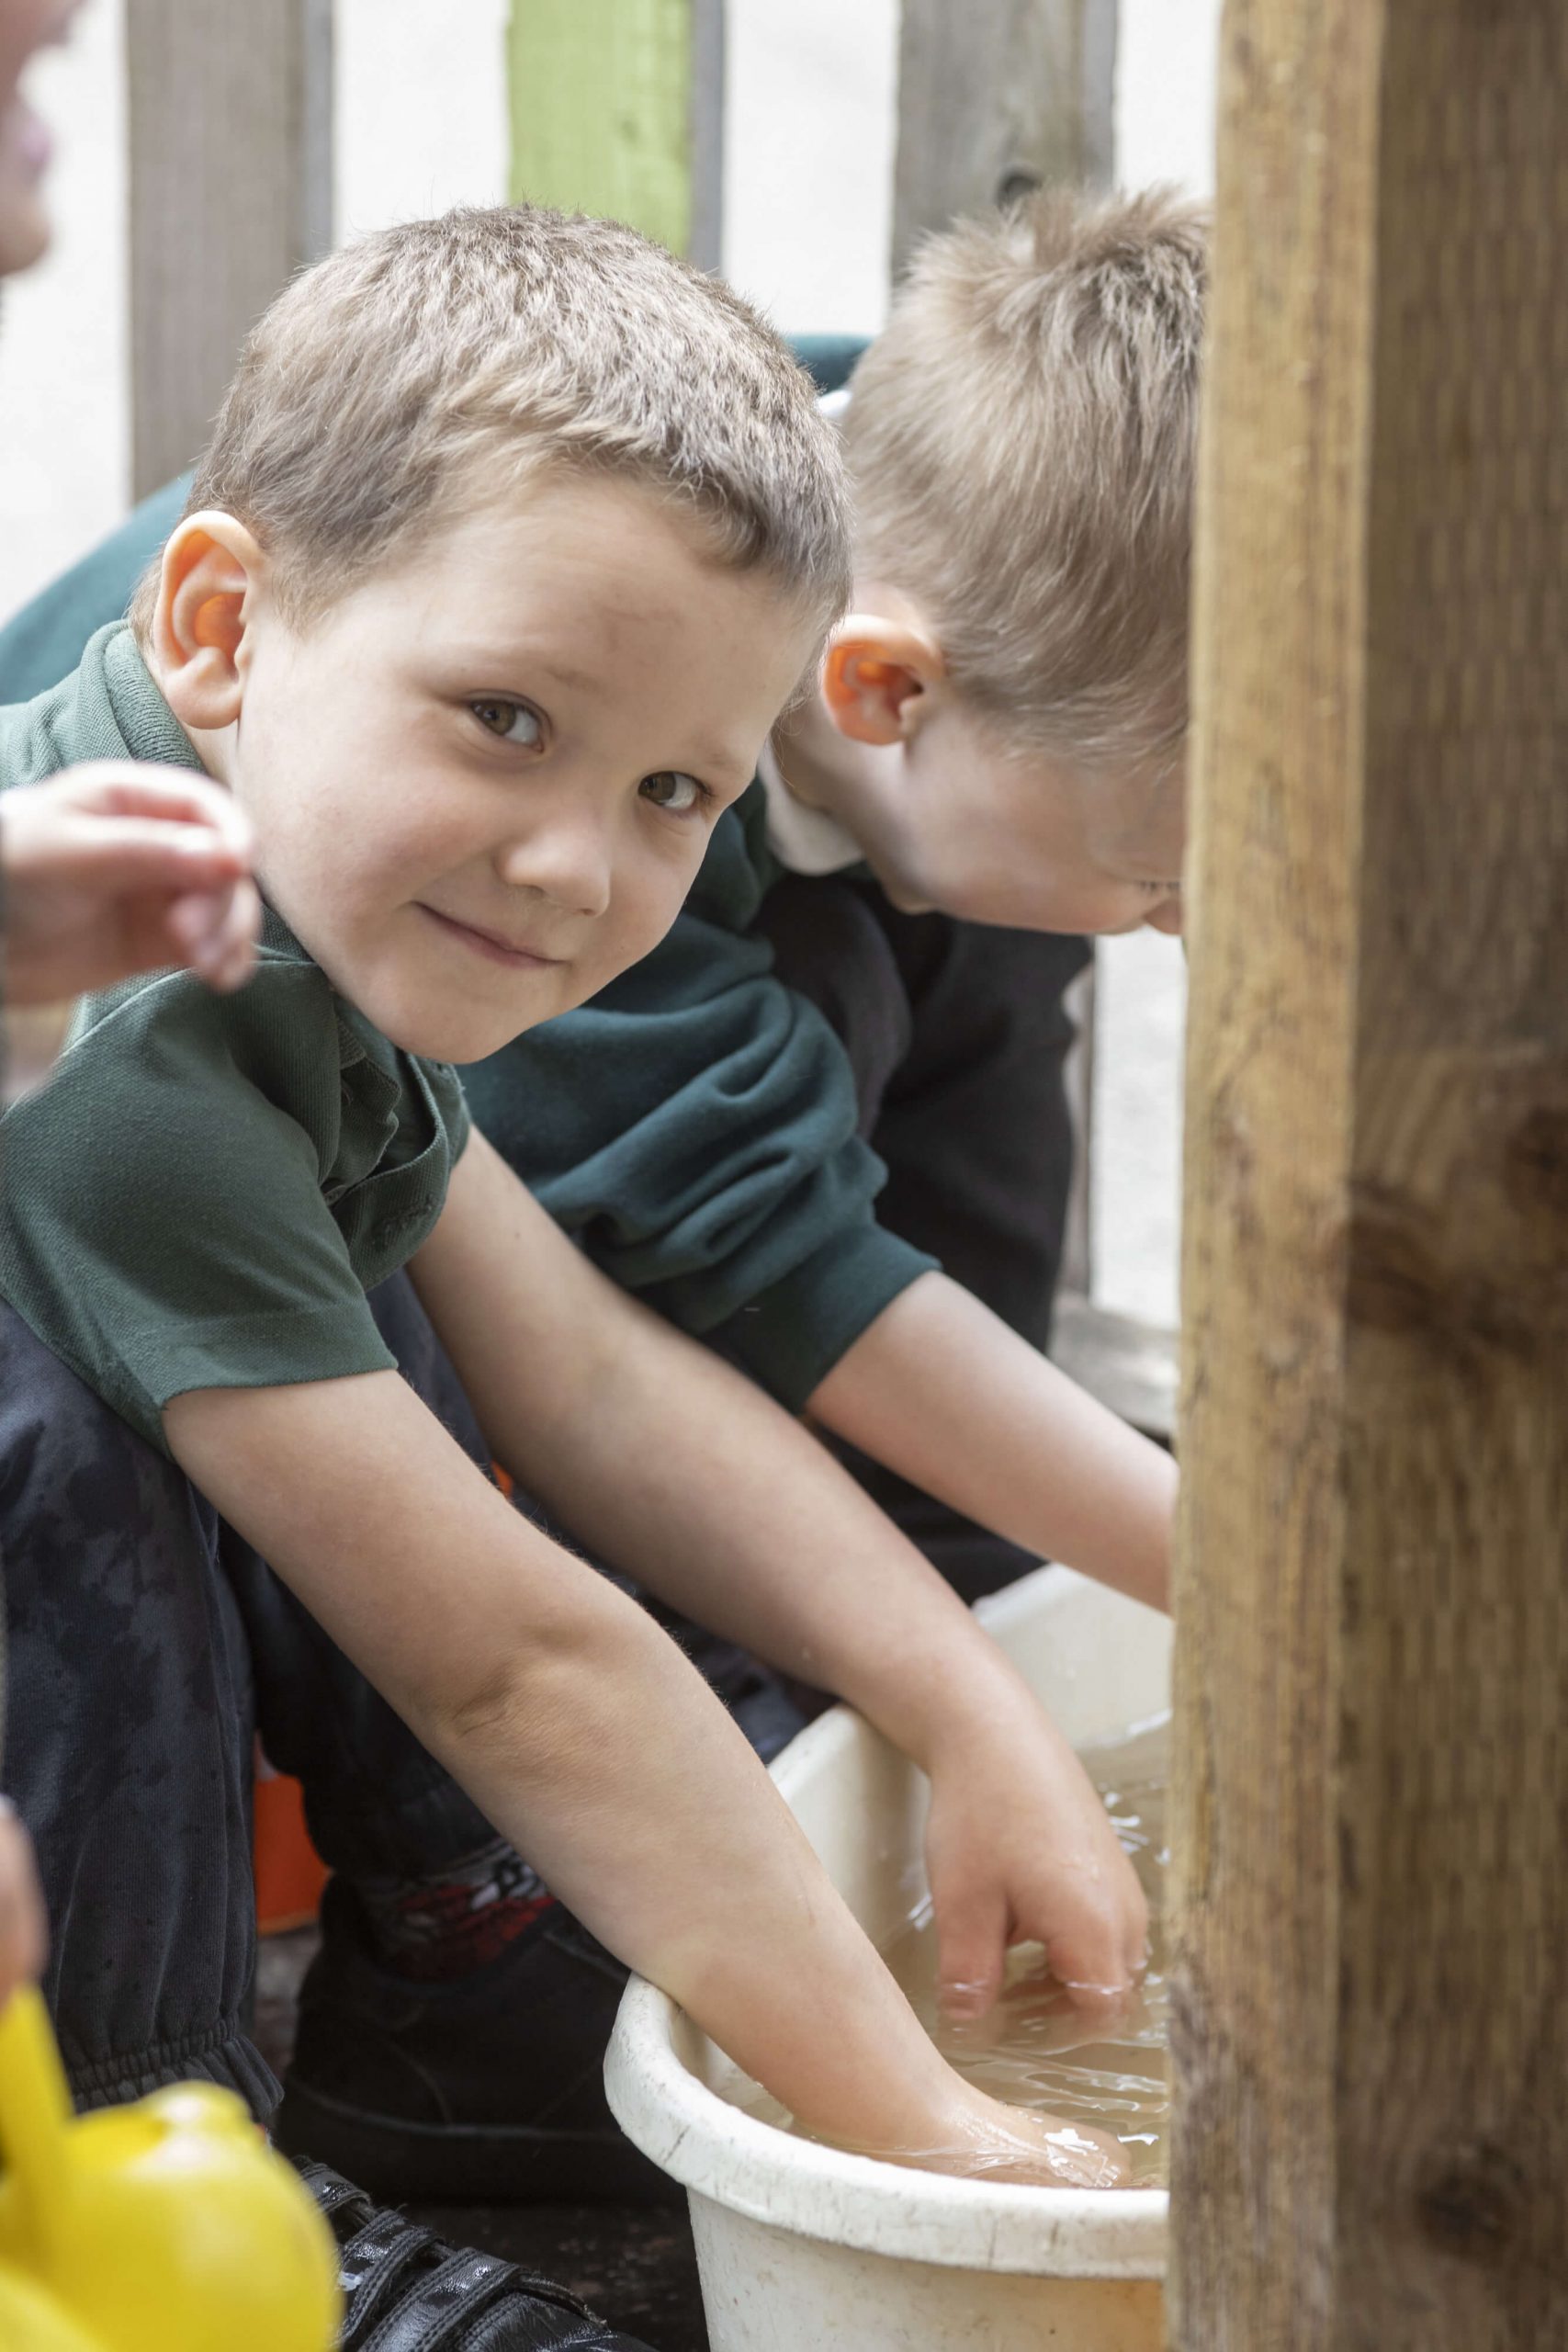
pixel 1021 443
pixel 427 365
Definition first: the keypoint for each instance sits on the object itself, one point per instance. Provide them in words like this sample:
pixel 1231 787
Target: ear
pixel 211 569
pixel 873 675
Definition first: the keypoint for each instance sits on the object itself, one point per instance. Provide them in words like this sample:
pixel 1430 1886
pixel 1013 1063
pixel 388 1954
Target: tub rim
pixel 717 2150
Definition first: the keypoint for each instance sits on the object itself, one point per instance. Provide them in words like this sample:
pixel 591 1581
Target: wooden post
pixel 617 108
pixel 1371 1945
pixel 231 191
pixel 996 97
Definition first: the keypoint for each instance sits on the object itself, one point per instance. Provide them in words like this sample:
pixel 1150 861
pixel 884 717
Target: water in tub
pixel 1035 2049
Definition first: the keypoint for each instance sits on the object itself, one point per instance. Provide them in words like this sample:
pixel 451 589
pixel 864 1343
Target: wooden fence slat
pixel 996 96
pixel 617 108
pixel 704 243
pixel 230 117
pixel 1371 1932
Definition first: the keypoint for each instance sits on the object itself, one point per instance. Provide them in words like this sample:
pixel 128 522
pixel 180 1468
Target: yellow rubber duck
pixel 168 2226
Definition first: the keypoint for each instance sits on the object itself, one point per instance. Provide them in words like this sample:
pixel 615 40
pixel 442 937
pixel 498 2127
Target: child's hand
pixel 23 1940
pixel 977 2137
pixel 1020 1847
pixel 113 869
pixel 1010 2144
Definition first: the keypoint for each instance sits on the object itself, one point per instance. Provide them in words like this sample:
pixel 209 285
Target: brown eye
pixel 513 723
pixel 668 788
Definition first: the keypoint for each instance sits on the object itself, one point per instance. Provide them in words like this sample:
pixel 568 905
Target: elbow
pixel 519 1703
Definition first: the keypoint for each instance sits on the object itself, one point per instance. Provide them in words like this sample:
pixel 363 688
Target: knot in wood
pixel 1403 1278
pixel 1396 1277
pixel 1470 2202
pixel 1534 1162
pixel 1017 183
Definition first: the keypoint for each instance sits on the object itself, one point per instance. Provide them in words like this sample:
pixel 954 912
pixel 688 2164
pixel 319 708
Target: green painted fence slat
pixel 601 103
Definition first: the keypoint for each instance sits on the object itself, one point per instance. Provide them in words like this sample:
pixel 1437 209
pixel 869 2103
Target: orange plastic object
pixel 289 1872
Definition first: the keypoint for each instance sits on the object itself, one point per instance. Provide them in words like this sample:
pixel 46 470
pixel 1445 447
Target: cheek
pixel 332 805
pixel 648 892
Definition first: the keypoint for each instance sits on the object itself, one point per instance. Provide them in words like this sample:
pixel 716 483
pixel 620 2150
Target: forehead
pixel 602 573
pixel 545 537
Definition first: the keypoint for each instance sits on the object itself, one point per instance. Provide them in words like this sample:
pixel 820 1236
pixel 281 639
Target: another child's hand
pixel 1019 1848
pixel 980 2139
pixel 112 870
pixel 23 1939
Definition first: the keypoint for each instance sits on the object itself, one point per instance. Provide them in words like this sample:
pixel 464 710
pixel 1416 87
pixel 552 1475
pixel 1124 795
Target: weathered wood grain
pixel 996 96
pixel 1371 2144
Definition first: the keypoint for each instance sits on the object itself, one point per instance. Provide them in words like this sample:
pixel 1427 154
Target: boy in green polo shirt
pixel 481 612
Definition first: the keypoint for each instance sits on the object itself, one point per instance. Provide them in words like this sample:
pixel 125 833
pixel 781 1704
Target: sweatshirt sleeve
pixel 694 1126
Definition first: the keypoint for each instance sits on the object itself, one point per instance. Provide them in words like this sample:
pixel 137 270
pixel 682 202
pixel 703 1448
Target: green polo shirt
pixel 203 1192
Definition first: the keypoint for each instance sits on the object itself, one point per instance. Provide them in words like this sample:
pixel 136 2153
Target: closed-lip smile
pixel 492 943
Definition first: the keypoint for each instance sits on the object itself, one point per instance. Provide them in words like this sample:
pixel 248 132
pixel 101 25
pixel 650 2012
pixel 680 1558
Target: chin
pixel 453 1037
pixel 465 1032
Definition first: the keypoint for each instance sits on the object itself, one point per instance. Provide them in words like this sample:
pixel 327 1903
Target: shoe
pixel 405 2290
pixel 485 2090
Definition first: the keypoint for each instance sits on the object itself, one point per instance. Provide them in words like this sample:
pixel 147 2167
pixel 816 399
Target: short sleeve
pixel 165 1222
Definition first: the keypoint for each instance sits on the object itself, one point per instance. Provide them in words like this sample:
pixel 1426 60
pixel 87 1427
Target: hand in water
pixel 112 870
pixel 984 2139
pixel 1019 1848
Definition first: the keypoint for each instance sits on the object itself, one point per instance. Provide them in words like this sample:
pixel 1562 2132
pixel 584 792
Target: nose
pixel 566 857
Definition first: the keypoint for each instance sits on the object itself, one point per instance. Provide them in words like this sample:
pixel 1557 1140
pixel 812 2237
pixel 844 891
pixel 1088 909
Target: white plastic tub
pixel 802 2249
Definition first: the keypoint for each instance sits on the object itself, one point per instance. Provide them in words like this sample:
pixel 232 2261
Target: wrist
pixel 976 1698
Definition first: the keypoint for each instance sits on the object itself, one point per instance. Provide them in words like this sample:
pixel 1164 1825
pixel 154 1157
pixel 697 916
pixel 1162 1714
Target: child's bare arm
pixel 672 1465
pixel 940 1390
pixel 589 1741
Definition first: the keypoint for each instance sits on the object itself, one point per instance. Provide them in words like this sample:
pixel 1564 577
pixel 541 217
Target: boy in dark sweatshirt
pixel 865 983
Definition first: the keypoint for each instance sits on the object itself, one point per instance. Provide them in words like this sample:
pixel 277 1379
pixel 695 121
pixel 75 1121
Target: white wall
pixel 809 94
pixel 421 120
pixel 1164 92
